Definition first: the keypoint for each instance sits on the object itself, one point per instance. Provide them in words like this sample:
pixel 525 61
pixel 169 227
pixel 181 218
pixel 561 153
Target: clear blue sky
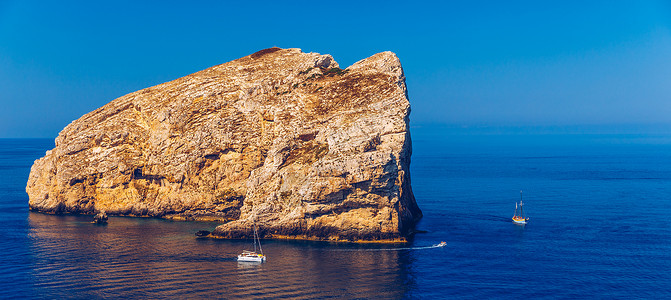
pixel 467 63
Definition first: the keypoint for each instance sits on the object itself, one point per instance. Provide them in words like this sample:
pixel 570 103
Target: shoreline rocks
pixel 100 218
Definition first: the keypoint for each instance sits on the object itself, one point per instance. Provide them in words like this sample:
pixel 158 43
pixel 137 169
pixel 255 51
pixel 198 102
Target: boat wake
pixel 442 244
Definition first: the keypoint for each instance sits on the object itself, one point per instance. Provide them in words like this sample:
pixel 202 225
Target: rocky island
pixel 282 139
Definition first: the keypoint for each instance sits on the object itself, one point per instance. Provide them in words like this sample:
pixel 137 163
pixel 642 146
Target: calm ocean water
pixel 600 208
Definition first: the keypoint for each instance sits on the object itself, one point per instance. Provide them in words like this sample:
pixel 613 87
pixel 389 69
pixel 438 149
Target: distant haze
pixel 468 64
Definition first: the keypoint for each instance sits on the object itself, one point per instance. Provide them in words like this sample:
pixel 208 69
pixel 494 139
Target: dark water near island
pixel 600 208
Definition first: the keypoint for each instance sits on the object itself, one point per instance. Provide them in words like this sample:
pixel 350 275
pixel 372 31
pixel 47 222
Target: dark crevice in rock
pixel 263 52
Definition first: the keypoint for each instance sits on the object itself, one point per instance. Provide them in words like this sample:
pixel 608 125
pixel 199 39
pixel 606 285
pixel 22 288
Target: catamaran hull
pixel 251 259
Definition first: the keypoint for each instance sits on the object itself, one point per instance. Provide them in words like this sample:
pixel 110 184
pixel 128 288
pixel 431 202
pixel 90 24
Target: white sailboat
pixel 253 256
pixel 520 218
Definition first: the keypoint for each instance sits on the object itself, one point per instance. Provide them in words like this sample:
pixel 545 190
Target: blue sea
pixel 600 227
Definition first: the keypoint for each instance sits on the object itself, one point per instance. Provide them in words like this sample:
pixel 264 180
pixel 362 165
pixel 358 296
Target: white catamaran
pixel 520 218
pixel 253 256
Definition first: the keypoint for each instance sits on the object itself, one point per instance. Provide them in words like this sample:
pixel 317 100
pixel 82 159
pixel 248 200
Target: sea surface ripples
pixel 157 258
pixel 599 227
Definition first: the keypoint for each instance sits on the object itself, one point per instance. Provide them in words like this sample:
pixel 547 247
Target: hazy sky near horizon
pixel 467 63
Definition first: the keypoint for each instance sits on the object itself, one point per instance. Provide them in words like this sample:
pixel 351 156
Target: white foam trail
pixel 395 249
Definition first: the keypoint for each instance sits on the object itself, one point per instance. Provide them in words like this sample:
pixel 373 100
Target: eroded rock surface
pixel 280 138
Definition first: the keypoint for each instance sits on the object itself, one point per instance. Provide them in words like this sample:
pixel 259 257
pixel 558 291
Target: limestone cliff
pixel 280 138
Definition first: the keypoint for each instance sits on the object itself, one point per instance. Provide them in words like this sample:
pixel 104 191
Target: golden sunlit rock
pixel 281 138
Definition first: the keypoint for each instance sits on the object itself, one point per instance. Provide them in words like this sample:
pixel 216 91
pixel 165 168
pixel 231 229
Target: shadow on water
pixel 133 257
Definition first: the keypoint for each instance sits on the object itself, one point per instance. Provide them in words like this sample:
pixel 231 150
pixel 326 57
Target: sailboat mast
pixel 515 214
pixel 521 206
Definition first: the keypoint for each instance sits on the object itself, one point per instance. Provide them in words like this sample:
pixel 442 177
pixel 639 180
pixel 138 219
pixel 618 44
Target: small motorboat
pixel 202 233
pixel 521 218
pixel 442 244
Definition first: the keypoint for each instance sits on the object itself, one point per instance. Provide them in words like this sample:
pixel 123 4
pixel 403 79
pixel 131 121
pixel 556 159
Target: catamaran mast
pixel 254 238
pixel 258 239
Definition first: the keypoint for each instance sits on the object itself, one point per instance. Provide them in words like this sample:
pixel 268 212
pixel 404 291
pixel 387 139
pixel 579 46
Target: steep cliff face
pixel 280 138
